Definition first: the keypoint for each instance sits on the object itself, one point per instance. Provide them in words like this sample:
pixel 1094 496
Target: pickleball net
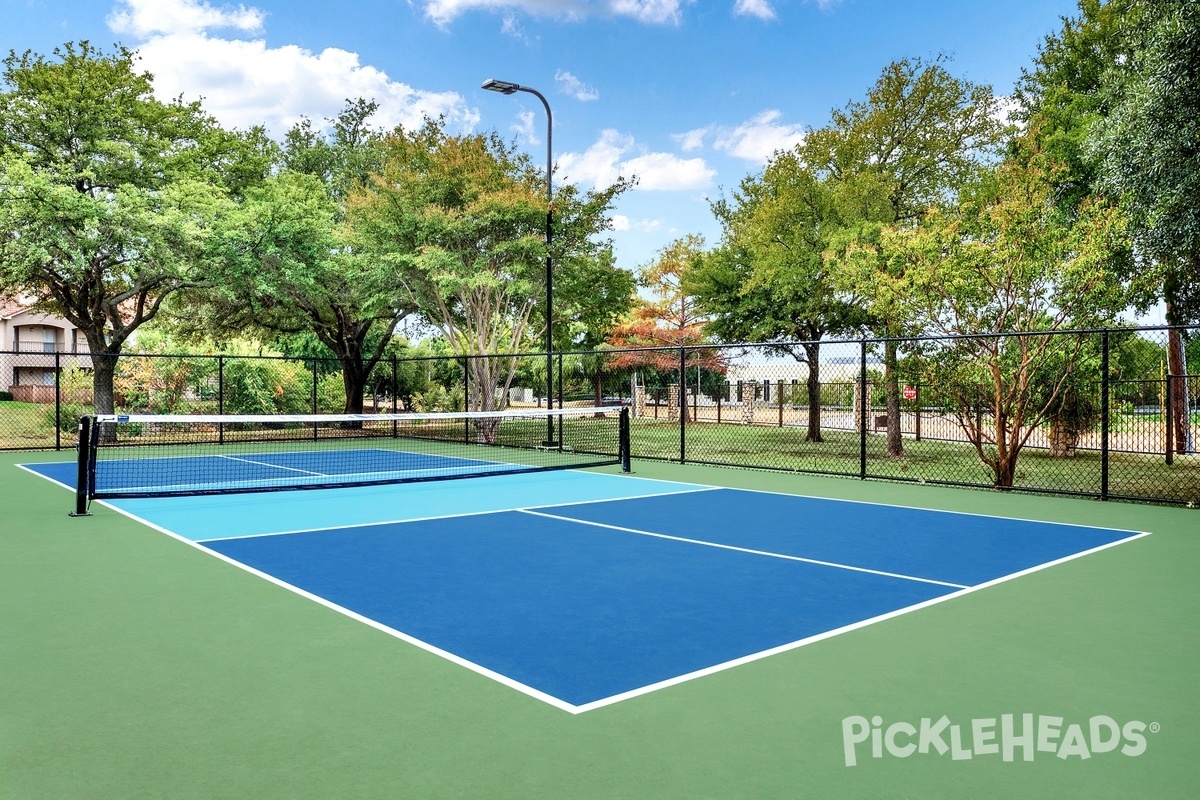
pixel 149 455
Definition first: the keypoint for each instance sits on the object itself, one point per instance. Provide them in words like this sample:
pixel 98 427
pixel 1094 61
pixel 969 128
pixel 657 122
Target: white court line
pixel 649 688
pixel 653 687
pixel 446 654
pixel 719 546
pixel 273 466
pixel 403 520
pixel 894 505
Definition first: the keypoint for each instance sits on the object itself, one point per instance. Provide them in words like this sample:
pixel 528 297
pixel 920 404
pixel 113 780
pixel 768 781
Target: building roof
pixel 11 306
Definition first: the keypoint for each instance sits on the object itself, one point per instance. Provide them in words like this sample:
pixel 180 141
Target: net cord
pixel 336 418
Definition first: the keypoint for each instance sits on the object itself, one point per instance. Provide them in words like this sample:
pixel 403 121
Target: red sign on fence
pixel 910 392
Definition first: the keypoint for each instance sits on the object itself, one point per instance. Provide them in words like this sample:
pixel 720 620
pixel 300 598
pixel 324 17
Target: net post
pixel 623 447
pixel 82 469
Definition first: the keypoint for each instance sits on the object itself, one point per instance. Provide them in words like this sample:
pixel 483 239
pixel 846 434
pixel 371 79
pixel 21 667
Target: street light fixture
pixel 507 87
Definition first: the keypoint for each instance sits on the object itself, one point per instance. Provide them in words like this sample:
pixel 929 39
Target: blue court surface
pixel 583 589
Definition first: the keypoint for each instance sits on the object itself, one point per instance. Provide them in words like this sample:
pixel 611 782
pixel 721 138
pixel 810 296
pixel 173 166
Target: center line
pixel 818 562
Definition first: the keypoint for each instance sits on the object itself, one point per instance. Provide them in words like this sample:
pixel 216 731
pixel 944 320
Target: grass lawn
pixel 27 426
pixel 784 448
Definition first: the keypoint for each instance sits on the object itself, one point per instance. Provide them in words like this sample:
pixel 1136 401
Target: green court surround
pixel 135 666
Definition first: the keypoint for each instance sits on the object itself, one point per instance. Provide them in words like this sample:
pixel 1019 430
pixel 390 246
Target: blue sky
pixel 688 95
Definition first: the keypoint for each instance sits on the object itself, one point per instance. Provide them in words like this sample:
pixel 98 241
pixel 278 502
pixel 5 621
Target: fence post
pixel 917 387
pixel 221 397
pixel 682 404
pixel 314 397
pixel 395 383
pixel 779 399
pixel 862 406
pixel 58 402
pixel 1104 412
pixel 1169 418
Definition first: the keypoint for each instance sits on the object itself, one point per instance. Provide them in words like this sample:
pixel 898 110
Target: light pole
pixel 507 87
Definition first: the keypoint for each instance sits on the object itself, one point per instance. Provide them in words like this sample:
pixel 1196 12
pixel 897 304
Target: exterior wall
pixel 28 342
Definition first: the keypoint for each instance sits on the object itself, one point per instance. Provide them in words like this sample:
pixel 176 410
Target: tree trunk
pixel 812 351
pixel 1005 470
pixel 354 382
pixel 104 370
pixel 1063 438
pixel 891 382
pixel 1180 402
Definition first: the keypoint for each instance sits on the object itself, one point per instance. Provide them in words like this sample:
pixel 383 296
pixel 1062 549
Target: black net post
pixel 82 467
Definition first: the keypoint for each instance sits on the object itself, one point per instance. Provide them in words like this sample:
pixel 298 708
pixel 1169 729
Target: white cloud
pixel 652 11
pixel 569 84
pixel 759 137
pixel 605 161
pixel 691 140
pixel 526 130
pixel 245 82
pixel 144 18
pixel 621 223
pixel 756 139
pixel 754 8
pixel 656 12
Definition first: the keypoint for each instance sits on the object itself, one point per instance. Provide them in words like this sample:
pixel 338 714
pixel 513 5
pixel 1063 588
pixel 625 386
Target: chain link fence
pixel 1107 413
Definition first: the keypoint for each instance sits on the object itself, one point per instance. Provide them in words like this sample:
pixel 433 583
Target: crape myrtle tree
pixel 460 223
pixel 1007 259
pixel 299 268
pixel 669 318
pixel 110 199
pixel 767 280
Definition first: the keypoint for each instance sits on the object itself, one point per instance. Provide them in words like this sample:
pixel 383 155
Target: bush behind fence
pixel 1119 421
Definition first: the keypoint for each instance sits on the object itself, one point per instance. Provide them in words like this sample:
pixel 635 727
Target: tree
pixel 1009 262
pixel 919 137
pixel 297 267
pixel 670 320
pixel 767 281
pixel 460 220
pixel 1148 150
pixel 1114 97
pixel 110 200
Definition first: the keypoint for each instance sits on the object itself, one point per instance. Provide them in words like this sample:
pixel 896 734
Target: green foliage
pixel 460 222
pixel 266 386
pixel 75 393
pixel 110 199
pixel 1146 146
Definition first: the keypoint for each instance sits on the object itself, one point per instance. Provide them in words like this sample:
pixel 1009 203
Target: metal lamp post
pixel 507 87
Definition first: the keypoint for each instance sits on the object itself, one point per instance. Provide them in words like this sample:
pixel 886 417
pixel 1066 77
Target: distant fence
pixel 1125 422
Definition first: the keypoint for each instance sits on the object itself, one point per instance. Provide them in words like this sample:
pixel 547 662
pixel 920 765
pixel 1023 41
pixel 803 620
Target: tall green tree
pixel 767 280
pixel 1148 152
pixel 919 137
pixel 299 268
pixel 460 221
pixel 111 200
